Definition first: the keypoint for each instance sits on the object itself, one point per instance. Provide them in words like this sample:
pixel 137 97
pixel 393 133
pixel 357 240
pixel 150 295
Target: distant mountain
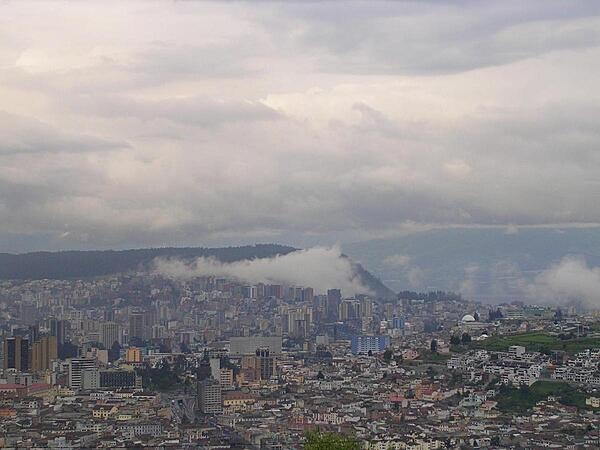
pixel 373 283
pixel 88 264
pixel 85 264
pixel 492 260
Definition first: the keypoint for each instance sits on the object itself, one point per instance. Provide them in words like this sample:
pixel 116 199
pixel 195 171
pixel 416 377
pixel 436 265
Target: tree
pixel 114 352
pixel 454 340
pixel 388 354
pixel 434 346
pixel 494 315
pixel 317 440
pixel 431 372
pixel 558 314
pixel 466 338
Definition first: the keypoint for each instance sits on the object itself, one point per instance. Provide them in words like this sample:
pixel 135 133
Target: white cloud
pixel 417 278
pixel 569 281
pixel 321 268
pixel 397 260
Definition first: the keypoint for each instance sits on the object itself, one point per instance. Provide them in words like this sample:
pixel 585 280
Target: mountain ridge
pixel 73 264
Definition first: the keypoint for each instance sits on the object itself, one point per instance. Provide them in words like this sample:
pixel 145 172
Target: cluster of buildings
pixel 142 360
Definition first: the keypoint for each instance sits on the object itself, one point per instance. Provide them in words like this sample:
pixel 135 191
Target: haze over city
pixel 300 224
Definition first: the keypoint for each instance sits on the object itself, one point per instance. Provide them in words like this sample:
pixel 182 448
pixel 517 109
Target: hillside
pixel 87 264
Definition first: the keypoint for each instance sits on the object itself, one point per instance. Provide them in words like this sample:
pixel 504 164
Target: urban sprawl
pixel 141 360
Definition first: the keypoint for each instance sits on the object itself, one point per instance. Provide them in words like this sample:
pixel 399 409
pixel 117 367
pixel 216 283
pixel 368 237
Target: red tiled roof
pixel 11 387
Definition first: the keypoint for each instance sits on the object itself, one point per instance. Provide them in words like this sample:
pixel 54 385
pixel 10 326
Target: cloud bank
pixel 127 124
pixel 571 281
pixel 321 268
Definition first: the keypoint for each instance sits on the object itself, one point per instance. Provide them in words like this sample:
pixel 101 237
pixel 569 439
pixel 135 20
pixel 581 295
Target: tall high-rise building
pixel 308 295
pixel 110 334
pixel 204 370
pixel 150 317
pixel 249 291
pixel 299 321
pixel 367 307
pixel 260 290
pixel 158 331
pixel 34 332
pixel 43 352
pixel 264 364
pixel 274 290
pixel 334 298
pixel 76 368
pixel 209 396
pixel 16 353
pixel 109 315
pixel 137 326
pixel 59 328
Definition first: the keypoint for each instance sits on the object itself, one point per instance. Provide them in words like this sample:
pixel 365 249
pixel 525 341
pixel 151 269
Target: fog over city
pixel 318 267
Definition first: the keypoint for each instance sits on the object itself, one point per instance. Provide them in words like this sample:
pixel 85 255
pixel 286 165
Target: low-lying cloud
pixel 321 268
pixel 571 280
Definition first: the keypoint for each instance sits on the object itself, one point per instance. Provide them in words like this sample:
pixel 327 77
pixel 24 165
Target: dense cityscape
pixel 141 360
pixel 300 224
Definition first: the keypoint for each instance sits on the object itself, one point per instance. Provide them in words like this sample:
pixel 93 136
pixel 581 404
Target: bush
pixel 317 440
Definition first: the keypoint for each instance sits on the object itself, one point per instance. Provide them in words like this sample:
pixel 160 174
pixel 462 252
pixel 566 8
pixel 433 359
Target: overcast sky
pixel 128 124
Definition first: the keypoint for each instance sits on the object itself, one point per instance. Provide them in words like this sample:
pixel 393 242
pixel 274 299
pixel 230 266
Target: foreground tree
pixel 434 346
pixel 317 440
pixel 388 354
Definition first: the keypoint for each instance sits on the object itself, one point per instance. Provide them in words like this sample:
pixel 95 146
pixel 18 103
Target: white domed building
pixel 468 322
pixel 467 318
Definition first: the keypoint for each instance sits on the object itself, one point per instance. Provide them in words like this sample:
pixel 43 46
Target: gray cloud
pixel 194 111
pixel 438 37
pixel 22 135
pixel 203 122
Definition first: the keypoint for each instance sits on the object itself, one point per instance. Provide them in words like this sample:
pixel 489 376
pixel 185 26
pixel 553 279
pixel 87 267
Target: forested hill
pixel 87 264
pixel 84 264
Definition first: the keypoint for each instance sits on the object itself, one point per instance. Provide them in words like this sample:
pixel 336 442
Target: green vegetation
pixel 158 379
pixel 388 355
pixel 317 440
pixel 524 398
pixel 538 342
pixel 165 377
pixel 431 357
